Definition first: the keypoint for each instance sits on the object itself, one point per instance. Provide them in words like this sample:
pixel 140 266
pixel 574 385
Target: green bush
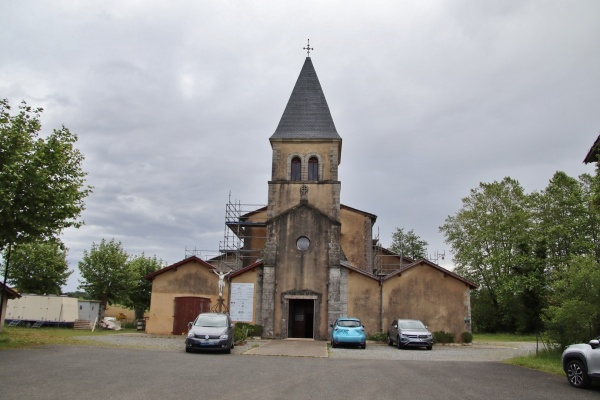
pixel 378 337
pixel 258 330
pixel 467 337
pixel 443 337
pixel 243 330
pixel 239 334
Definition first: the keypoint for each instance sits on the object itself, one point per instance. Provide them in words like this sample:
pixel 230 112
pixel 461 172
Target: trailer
pixel 47 310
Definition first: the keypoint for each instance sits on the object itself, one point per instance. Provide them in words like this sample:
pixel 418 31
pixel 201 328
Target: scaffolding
pixel 386 261
pixel 245 234
pixel 205 255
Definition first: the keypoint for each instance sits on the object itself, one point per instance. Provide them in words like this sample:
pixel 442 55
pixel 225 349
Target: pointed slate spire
pixel 306 115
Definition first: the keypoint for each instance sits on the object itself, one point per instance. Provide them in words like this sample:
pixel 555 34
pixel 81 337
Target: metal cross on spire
pixel 308 48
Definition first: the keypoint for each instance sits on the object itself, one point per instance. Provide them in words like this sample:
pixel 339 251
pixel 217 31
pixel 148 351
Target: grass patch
pixel 545 360
pixel 502 337
pixel 22 337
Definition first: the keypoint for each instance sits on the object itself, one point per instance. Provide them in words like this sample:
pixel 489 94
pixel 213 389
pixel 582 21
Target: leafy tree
pixel 490 238
pixel 79 295
pixel 562 215
pixel 140 291
pixel 42 184
pixel 105 272
pixel 408 244
pixel 590 185
pixel 573 315
pixel 40 268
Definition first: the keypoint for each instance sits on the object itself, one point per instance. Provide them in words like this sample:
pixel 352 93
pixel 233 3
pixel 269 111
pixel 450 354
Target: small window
pixel 296 169
pixel 303 243
pixel 313 169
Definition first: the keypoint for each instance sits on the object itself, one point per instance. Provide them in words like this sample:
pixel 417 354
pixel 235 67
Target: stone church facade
pixel 313 258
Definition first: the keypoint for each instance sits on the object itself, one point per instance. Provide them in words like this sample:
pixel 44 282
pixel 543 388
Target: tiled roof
pixel 194 259
pixel 10 293
pixel 306 115
pixel 592 155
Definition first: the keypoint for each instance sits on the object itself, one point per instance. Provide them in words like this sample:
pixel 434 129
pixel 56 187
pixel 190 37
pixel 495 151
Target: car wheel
pixel 399 344
pixel 333 344
pixel 429 347
pixel 363 346
pixel 232 345
pixel 390 341
pixel 188 350
pixel 577 374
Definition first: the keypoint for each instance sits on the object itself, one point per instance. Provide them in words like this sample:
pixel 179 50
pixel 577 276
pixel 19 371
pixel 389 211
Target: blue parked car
pixel 348 331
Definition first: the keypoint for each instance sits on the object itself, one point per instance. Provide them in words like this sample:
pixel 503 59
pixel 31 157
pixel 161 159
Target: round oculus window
pixel 303 243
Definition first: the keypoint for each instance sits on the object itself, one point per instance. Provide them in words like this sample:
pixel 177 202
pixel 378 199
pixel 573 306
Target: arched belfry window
pixel 313 169
pixel 296 169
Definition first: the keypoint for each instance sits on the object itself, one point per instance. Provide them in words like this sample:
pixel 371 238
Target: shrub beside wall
pixel 441 337
pixel 466 337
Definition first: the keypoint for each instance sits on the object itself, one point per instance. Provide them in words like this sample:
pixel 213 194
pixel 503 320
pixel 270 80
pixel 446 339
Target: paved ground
pixel 312 348
pixel 62 372
pixel 290 348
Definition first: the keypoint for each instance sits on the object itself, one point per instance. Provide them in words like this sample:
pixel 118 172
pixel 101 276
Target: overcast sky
pixel 174 102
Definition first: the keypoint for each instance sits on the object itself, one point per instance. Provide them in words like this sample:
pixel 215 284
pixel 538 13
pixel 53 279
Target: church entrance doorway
pixel 301 318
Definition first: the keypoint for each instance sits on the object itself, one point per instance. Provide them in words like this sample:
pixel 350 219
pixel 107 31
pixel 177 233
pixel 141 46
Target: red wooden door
pixel 186 310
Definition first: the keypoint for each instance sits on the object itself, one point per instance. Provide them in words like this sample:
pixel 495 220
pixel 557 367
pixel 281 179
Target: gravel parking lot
pixel 474 352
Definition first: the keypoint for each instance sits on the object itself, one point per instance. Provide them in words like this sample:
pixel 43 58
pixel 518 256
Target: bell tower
pixel 301 292
pixel 306 151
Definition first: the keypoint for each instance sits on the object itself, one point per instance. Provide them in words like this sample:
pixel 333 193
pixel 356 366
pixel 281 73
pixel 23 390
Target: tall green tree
pixel 408 244
pixel 570 218
pixel 562 217
pixel 590 185
pixel 490 239
pixel 105 272
pixel 42 183
pixel 40 267
pixel 573 315
pixel 139 293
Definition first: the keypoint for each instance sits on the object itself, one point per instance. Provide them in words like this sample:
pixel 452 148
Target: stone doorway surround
pixel 301 295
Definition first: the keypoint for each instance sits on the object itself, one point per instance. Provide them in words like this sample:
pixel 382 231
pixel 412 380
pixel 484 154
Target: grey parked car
pixel 409 333
pixel 581 363
pixel 210 331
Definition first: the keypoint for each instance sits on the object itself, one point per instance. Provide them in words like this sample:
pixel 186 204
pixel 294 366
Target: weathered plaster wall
pixel 190 279
pixel 299 271
pixel 356 239
pixel 363 300
pixel 323 194
pixel 426 293
pixel 285 195
pixel 326 151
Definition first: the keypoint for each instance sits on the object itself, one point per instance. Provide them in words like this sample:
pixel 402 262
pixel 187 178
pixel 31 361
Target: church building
pixel 305 258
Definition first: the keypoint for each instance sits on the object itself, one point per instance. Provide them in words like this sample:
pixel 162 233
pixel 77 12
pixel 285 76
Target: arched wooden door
pixel 186 310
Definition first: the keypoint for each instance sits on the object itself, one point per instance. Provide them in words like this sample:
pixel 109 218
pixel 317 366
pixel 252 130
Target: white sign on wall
pixel 242 302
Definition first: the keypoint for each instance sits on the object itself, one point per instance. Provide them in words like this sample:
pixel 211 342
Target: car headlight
pixel 223 336
pixel 191 334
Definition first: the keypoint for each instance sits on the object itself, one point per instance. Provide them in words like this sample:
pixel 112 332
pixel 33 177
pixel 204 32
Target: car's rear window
pixel 349 323
pixel 217 321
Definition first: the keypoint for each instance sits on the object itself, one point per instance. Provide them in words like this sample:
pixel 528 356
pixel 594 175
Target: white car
pixel 581 363
pixel 409 333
